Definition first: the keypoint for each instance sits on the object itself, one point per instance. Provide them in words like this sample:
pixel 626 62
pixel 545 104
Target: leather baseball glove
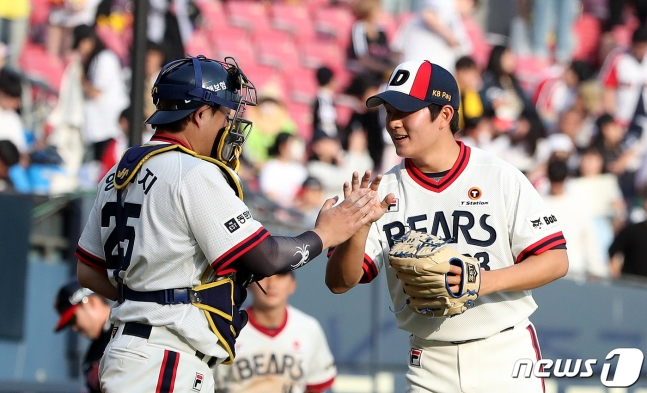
pixel 422 262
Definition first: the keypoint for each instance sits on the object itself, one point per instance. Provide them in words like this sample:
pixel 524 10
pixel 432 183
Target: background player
pixel 171 240
pixel 86 313
pixel 282 349
pixel 491 212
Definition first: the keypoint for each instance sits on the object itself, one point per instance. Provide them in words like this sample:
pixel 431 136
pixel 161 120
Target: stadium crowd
pixel 566 104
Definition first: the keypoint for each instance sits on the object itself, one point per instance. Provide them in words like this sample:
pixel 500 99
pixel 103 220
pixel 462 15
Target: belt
pixel 144 331
pixel 479 339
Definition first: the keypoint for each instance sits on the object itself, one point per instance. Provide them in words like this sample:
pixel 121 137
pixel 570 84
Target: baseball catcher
pixel 422 263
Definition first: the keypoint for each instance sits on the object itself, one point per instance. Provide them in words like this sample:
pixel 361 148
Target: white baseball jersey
pixel 289 359
pixel 623 72
pixel 493 213
pixel 182 217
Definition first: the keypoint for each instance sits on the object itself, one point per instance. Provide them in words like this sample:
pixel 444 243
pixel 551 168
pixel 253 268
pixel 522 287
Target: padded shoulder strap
pixel 134 158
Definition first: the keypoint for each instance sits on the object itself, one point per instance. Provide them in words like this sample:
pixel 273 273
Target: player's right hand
pixel 336 224
pixel 378 207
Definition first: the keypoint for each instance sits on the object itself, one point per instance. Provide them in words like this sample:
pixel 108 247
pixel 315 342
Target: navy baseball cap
pixel 68 299
pixel 417 84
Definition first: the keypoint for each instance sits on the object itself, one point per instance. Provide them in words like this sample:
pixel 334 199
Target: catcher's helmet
pixel 184 85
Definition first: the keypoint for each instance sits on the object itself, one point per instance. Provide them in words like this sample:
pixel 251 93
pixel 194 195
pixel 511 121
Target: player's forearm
pixel 532 273
pixel 344 268
pixel 95 280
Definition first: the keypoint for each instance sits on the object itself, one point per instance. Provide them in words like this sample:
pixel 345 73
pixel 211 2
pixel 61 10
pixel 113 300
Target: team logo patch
pixel 197 382
pixel 474 193
pixel 394 206
pixel 541 222
pixel 471 273
pixel 415 355
pixel 237 222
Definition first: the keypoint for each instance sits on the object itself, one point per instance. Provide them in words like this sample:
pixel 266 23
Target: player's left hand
pixel 378 207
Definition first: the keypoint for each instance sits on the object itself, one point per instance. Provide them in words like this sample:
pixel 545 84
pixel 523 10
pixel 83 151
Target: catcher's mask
pixel 184 85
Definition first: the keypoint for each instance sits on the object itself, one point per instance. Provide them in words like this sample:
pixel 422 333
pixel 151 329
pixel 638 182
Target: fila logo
pixel 400 78
pixel 415 355
pixel 197 382
pixel 394 206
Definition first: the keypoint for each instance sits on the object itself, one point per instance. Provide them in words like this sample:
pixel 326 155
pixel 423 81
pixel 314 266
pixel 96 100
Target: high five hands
pixel 377 207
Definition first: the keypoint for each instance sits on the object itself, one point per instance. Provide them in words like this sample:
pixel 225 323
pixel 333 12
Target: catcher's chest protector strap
pixel 133 159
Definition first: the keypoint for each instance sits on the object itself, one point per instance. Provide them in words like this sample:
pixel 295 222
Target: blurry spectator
pixel 309 199
pixel 270 117
pixel 600 194
pixel 609 142
pixel 468 77
pixel 64 16
pixel 329 163
pixel 474 30
pixel 9 156
pixel 571 123
pixel 324 114
pixel 88 314
pixel 436 34
pixel 501 90
pixel 11 125
pixel 169 25
pixel 154 63
pixel 585 258
pixel 281 177
pixel 524 146
pixel 624 76
pixel 369 53
pixel 366 120
pixel 14 25
pixel 617 11
pixel 628 250
pixel 103 88
pixel 560 14
pixel 117 146
pixel 478 134
pixel 556 94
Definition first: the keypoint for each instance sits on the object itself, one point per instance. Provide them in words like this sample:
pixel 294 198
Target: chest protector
pixel 220 298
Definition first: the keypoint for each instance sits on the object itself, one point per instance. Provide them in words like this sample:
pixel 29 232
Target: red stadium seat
pixel 114 42
pixel 36 63
pixel 294 18
pixel 301 113
pixel 261 74
pixel 587 31
pixel 249 15
pixel 319 53
pixel 274 35
pixel 199 44
pixel 336 22
pixel 213 13
pixel 280 54
pixel 302 84
pixel 239 47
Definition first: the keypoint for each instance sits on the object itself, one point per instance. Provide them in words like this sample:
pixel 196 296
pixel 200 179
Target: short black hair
pixel 465 63
pixel 435 109
pixel 557 170
pixel 639 35
pixel 281 138
pixel 582 69
pixel 9 153
pixel 324 75
pixel 10 84
pixel 603 121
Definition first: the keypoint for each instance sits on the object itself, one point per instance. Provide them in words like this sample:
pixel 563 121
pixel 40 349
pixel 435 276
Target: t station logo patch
pixel 474 195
